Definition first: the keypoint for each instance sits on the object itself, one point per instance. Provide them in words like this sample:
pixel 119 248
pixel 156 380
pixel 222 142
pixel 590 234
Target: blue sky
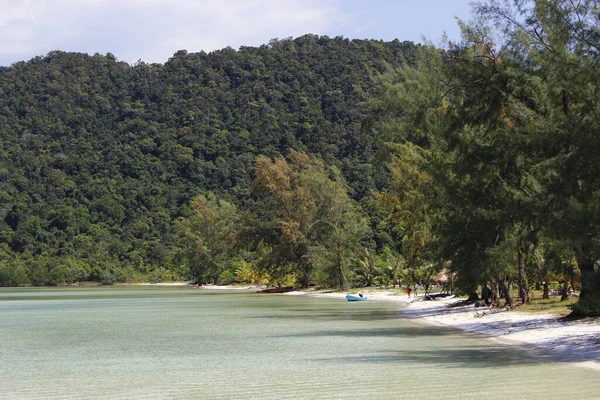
pixel 406 19
pixel 152 30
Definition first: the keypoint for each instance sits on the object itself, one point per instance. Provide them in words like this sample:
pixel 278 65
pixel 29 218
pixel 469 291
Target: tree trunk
pixel 546 290
pixel 523 292
pixel 494 292
pixel 565 291
pixel 305 277
pixel 473 297
pixel 586 266
pixel 506 293
pixel 339 266
pixel 486 294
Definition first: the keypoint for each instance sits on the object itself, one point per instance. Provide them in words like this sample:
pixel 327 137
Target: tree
pixel 309 215
pixel 339 226
pixel 555 44
pixel 480 116
pixel 207 237
pixel 291 212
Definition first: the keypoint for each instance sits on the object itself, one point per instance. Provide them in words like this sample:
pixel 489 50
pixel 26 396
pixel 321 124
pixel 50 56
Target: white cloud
pixel 152 30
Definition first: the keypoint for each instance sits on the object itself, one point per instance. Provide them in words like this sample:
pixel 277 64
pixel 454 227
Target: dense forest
pixel 99 158
pixel 313 160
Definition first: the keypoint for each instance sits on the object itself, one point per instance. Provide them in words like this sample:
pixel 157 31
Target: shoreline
pixel 575 342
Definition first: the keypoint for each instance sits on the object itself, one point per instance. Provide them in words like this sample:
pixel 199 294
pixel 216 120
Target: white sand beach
pixel 573 341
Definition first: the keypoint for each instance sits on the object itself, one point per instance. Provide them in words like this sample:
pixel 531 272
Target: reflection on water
pixel 180 342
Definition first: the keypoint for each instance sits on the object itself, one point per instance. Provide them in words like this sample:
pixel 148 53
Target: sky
pixel 153 30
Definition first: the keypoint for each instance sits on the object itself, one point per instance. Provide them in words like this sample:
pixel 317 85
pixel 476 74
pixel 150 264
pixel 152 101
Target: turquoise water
pixel 180 342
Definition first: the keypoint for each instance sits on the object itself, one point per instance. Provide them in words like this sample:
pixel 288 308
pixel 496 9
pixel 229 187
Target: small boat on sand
pixel 351 297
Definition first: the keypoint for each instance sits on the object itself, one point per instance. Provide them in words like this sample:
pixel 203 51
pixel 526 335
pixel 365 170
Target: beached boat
pixel 351 297
pixel 282 289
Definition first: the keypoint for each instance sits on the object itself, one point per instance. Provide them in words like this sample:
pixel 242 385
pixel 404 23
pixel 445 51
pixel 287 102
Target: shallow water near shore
pixel 180 342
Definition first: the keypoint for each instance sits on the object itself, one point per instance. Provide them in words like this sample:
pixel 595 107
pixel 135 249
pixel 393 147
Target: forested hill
pixel 98 157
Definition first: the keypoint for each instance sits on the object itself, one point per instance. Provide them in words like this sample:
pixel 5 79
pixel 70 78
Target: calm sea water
pixel 180 342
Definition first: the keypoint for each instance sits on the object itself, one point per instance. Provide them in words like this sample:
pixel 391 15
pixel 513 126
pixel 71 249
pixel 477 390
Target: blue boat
pixel 351 297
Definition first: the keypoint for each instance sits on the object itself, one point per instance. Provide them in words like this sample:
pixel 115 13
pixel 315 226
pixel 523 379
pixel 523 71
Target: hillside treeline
pixel 98 158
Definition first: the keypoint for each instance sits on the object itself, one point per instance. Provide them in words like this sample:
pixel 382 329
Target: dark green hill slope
pixel 98 157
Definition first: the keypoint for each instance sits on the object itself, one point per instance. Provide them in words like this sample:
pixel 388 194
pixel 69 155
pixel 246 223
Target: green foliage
pixel 161 274
pixel 492 146
pixel 310 220
pixel 206 237
pixel 248 273
pixel 13 273
pixel 227 277
pixel 98 157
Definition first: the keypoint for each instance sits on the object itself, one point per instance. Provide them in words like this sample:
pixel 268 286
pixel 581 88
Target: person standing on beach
pixel 416 289
pixel 408 290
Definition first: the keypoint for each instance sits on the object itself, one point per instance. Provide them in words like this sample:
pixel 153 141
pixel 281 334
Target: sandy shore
pixel 157 284
pixel 574 341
